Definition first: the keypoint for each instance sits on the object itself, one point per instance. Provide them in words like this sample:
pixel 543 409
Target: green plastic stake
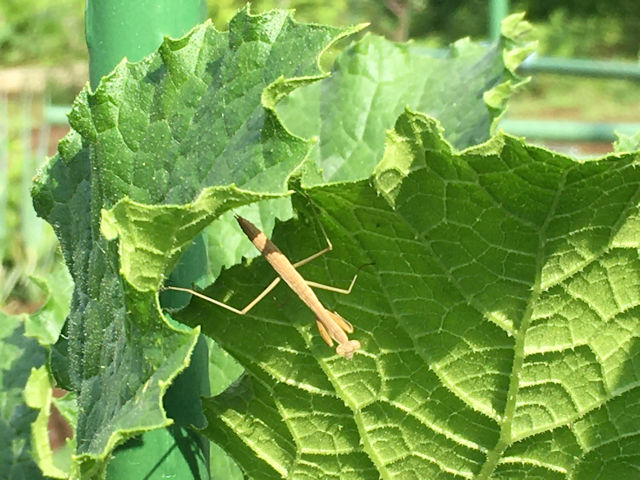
pixel 133 29
pixel 498 9
pixel 116 29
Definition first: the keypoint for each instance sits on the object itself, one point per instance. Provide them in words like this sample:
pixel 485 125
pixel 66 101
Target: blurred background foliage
pixel 41 31
pixel 27 243
pixel 590 28
pixel 43 35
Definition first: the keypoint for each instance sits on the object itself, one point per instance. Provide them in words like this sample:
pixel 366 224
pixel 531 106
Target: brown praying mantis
pixel 330 324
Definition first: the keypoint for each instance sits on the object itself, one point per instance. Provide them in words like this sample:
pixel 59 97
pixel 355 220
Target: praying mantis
pixel 330 324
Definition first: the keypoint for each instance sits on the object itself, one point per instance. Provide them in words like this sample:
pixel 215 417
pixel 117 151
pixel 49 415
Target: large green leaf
pixel 374 80
pixel 155 154
pixel 499 322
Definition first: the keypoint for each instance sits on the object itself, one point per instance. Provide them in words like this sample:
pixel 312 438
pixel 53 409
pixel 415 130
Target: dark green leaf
pixel 162 148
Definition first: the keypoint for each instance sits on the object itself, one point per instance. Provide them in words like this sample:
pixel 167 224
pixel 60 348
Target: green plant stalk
pixel 115 30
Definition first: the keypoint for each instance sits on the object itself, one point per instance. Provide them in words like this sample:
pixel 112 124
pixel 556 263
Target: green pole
pixel 116 29
pixel 133 29
pixel 498 9
pixel 567 130
pixel 581 66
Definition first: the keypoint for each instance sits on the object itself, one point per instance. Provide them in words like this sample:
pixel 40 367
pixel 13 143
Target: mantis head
pixel 336 328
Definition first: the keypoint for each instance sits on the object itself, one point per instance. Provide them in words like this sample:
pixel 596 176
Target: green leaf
pixel 38 394
pixel 24 346
pixel 374 80
pixel 626 143
pixel 158 151
pixel 222 467
pixel 18 354
pixel 499 322
pixel 46 323
pixel 223 369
